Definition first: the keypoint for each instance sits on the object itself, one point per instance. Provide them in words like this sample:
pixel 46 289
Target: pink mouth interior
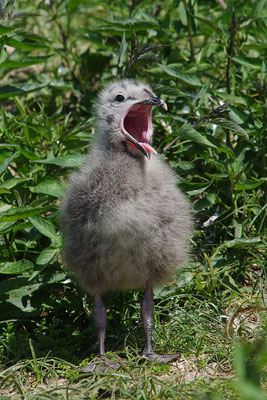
pixel 137 122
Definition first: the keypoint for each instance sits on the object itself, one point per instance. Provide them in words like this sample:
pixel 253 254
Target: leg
pixel 147 311
pixel 100 318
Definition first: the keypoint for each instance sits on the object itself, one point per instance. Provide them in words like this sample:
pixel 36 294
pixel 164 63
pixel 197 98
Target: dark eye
pixel 119 98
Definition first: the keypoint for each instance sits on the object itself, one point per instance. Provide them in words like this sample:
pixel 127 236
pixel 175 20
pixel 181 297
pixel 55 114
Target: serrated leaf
pixel 16 267
pixel 72 161
pixel 20 89
pixel 227 124
pixel 47 255
pixel 175 73
pixel 51 187
pixel 187 132
pixel 45 227
pixel 15 213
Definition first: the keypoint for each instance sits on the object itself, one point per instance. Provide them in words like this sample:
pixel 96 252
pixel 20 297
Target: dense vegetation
pixel 207 60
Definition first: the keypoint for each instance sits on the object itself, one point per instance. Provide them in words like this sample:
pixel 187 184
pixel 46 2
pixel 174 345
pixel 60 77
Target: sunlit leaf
pixel 16 267
pixel 44 226
pixel 51 187
pixel 176 73
pixel 15 213
pixel 187 132
pixel 71 161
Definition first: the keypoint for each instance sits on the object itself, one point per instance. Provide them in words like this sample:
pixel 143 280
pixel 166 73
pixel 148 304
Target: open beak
pixel 136 124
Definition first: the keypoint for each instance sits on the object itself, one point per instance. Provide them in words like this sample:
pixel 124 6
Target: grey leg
pixel 100 318
pixel 147 312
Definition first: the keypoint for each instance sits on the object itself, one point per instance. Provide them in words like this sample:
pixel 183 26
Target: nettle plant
pixel 210 68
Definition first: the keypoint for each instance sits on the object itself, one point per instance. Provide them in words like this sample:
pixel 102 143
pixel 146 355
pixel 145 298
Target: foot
pixel 158 358
pixel 101 364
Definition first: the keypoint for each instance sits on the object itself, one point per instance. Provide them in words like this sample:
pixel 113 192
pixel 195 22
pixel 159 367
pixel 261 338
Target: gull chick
pixel 125 223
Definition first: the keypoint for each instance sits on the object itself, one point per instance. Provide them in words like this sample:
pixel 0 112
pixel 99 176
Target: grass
pixel 209 65
pixel 205 328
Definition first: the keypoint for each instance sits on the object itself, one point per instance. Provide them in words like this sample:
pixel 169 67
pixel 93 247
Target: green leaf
pixel 47 256
pixel 208 24
pixel 25 45
pixel 72 161
pixel 3 55
pixel 241 242
pixel 247 186
pixel 130 23
pixel 20 89
pixel 6 29
pixel 5 164
pixel 176 73
pixel 6 226
pixel 251 63
pixel 200 190
pixel 45 227
pixel 37 128
pixel 254 46
pixel 16 267
pixel 122 52
pixel 10 183
pixel 17 287
pixel 232 98
pixel 200 97
pixel 15 213
pixel 227 124
pixel 182 13
pixel 189 133
pixel 51 187
pixel 24 62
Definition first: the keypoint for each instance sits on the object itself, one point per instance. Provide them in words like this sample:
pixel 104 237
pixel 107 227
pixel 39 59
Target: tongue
pixel 148 147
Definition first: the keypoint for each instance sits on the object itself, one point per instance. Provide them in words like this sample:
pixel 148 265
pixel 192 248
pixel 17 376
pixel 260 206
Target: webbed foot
pixel 101 364
pixel 158 358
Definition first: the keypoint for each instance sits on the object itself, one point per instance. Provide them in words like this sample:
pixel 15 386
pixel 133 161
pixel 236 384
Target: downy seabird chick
pixel 125 223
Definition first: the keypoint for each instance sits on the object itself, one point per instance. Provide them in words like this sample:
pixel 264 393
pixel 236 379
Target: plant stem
pixel 190 37
pixel 233 29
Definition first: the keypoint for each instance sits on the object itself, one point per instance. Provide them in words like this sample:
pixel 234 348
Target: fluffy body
pixel 124 220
